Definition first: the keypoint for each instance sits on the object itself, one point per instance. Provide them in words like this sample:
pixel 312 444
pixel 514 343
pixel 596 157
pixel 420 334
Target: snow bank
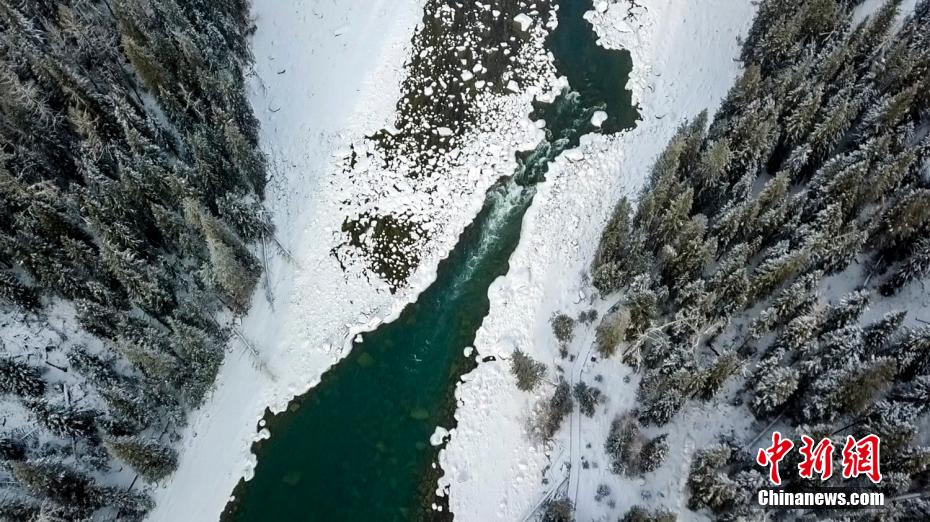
pixel 684 61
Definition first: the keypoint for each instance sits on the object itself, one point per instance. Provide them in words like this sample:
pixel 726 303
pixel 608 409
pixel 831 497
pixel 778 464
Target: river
pixel 356 447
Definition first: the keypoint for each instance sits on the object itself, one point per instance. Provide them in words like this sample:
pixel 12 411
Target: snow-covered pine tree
pixel 709 486
pixel 877 335
pixel 67 487
pixel 846 311
pixel 915 267
pixel 654 453
pixel 201 357
pixel 15 292
pixel 19 378
pixel 773 387
pixel 234 270
pixel 794 301
pixel 64 421
pixel 150 458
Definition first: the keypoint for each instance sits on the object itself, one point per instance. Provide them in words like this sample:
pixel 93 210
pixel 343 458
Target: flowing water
pixel 356 447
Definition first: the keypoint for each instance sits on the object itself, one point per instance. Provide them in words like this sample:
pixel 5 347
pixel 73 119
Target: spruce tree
pixel 64 421
pixel 654 453
pixel 48 478
pixel 234 270
pixel 773 387
pixel 15 292
pixel 20 378
pixel 916 267
pixel 148 457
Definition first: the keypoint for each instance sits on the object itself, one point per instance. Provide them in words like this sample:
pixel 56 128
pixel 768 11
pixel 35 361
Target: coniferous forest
pixel 130 186
pixel 768 262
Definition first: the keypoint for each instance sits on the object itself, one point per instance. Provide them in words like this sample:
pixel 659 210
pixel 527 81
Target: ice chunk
pixel 438 436
pixel 574 155
pixel 598 118
pixel 524 21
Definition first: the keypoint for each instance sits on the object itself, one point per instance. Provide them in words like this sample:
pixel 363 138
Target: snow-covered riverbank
pixel 683 62
pixel 325 74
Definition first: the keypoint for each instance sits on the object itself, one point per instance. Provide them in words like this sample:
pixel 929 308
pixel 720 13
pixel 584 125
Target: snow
pixel 684 61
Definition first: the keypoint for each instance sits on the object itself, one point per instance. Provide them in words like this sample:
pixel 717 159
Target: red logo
pixel 772 455
pixel 816 459
pixel 860 457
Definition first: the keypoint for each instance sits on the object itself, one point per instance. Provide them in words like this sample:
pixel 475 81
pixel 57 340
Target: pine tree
pixel 12 448
pixel 654 453
pixel 201 355
pixel 246 216
pixel 149 457
pixel 563 327
pixel 51 479
pixel 144 283
pixel 912 352
pixel 716 376
pixel 774 386
pixel 730 283
pixel 556 409
pixel 894 423
pixel 616 238
pixel 527 371
pixel 558 510
pixel 710 487
pixel 64 421
pixel 641 514
pixel 623 445
pixel 610 334
pixel 847 311
pixel 916 267
pixel 903 219
pixel 779 264
pixel 98 319
pixel 148 357
pixel 861 384
pixel 130 407
pixel 234 269
pixel 14 292
pixel 795 300
pixel 20 378
pixel 796 333
pixel 129 505
pixel 642 303
pixel 14 506
pixel 588 398
pixel 877 335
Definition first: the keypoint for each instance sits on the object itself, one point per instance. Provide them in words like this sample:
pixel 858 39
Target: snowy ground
pixel 328 74
pixel 684 61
